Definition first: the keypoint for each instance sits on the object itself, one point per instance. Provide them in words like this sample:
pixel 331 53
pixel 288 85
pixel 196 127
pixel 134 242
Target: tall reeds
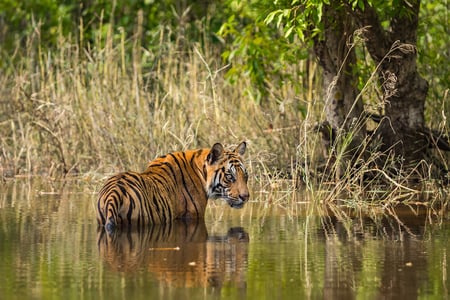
pixel 104 108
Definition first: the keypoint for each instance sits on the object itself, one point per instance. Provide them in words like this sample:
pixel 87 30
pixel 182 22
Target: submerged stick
pixel 165 249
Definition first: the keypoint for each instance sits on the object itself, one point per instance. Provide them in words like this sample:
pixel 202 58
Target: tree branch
pixel 404 24
pixel 376 38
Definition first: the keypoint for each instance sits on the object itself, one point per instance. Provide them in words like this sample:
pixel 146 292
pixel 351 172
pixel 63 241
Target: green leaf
pixel 300 34
pixel 288 31
pixel 361 5
pixel 270 17
pixel 280 18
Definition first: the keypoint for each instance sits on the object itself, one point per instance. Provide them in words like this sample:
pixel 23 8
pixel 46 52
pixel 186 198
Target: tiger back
pixel 174 186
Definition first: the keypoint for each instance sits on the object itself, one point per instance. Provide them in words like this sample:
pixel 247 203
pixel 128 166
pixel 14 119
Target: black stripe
pixel 146 208
pixel 192 166
pixel 163 182
pixel 183 179
pixel 128 184
pixel 102 217
pixel 165 203
pixel 171 169
pixel 138 187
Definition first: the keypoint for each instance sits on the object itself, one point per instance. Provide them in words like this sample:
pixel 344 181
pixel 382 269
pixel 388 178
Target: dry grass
pixel 100 110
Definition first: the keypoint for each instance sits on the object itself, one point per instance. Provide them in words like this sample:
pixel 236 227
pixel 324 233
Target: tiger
pixel 174 186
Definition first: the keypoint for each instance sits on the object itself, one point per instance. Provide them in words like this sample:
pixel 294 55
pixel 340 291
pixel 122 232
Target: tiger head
pixel 226 176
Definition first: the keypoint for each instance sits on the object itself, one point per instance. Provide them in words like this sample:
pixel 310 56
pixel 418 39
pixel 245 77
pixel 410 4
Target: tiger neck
pixel 194 198
pixel 186 172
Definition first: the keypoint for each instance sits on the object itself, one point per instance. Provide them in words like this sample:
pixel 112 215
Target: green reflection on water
pixel 51 249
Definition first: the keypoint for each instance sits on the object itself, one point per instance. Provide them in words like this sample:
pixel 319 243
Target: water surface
pixel 51 248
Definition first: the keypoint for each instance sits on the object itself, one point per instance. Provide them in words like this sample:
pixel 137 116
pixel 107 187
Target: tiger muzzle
pixel 240 201
pixel 244 197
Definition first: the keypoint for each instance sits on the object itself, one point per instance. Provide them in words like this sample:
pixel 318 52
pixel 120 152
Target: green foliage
pixel 263 32
pixel 434 54
pixel 89 20
pixel 18 19
pixel 302 17
pixel 257 50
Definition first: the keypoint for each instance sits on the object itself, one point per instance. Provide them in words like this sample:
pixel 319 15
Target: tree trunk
pixel 402 126
pixel 393 50
pixel 343 109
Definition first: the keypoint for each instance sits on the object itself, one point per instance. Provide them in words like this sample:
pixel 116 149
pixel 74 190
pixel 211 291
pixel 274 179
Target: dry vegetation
pixel 82 111
pixel 92 112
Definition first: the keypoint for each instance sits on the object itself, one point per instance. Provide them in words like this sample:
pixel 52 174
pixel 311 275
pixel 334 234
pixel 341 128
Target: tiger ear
pixel 215 153
pixel 240 149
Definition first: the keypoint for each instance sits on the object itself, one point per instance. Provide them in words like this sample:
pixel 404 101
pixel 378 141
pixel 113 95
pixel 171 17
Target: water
pixel 50 248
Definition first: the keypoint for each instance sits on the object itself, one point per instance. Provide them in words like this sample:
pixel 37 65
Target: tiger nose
pixel 244 196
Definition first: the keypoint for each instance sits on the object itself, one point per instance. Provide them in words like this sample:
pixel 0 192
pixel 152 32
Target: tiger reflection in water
pixel 179 254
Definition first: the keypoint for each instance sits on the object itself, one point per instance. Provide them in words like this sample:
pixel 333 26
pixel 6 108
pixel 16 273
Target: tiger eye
pixel 230 177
